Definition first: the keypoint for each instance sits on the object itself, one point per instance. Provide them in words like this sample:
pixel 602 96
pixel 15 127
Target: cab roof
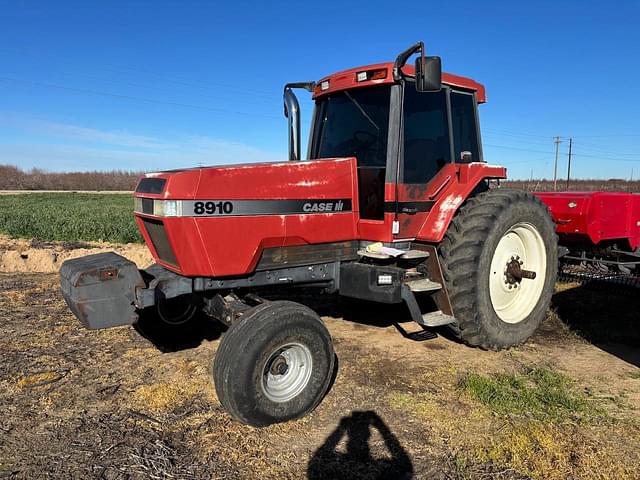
pixel 381 74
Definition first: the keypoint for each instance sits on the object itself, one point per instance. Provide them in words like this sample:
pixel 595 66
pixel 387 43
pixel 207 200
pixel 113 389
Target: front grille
pixel 160 241
pixel 151 185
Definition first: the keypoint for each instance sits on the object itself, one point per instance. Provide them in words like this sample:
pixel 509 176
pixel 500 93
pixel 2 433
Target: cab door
pixel 426 148
pixel 438 128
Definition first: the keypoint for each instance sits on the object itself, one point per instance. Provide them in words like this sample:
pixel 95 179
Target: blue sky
pixel 155 85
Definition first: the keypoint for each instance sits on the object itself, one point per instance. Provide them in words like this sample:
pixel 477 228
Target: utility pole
pixel 555 166
pixel 569 166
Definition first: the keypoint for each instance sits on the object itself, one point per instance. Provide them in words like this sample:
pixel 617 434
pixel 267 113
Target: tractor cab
pixel 404 124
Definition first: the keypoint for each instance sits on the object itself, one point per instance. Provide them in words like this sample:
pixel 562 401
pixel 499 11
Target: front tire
pixel 274 364
pixel 495 242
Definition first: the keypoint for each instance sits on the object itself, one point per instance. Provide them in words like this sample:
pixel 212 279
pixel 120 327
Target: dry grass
pixel 548 451
pixel 537 422
pixel 162 397
pixel 37 379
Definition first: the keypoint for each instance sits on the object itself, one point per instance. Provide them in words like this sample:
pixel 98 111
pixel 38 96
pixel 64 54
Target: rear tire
pixel 492 231
pixel 274 364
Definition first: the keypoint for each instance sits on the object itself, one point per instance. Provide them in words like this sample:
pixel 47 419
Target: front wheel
pixel 274 364
pixel 499 259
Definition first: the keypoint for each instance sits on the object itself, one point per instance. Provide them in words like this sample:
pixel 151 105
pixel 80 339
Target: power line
pixel 509 147
pixel 131 97
pixel 516 148
pixel 120 82
pixel 519 134
pixel 610 135
pixel 518 140
pixel 201 84
pixel 602 148
pixel 600 157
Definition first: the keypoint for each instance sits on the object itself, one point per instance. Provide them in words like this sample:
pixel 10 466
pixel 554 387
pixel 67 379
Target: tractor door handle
pixel 409 210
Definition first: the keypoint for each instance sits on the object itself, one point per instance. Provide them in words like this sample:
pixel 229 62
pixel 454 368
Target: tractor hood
pixel 216 221
pixel 267 180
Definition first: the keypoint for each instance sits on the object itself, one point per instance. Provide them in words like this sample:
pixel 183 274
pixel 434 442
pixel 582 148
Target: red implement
pixel 595 217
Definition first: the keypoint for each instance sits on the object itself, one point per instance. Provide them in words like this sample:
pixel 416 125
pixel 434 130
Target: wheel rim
pixel 520 250
pixel 287 372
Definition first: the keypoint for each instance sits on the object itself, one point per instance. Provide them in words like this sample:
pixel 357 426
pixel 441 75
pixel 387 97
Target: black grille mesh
pixel 155 229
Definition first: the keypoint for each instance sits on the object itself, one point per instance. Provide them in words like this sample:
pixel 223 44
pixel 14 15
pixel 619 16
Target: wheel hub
pixel 514 273
pixel 279 366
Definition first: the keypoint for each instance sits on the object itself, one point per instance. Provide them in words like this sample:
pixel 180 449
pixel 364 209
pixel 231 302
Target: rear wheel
pixel 274 364
pixel 499 259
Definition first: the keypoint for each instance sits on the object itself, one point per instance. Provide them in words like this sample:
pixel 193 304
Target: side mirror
pixel 428 74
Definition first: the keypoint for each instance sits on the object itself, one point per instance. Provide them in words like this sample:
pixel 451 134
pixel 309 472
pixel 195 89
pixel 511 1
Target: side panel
pixel 595 216
pixel 634 223
pixel 231 244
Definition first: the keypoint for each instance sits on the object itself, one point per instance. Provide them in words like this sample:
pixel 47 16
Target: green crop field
pixel 69 217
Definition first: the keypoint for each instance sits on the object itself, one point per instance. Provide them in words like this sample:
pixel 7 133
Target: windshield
pixel 354 124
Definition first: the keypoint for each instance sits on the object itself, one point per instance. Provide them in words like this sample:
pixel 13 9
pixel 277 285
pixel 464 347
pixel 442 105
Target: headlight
pixel 160 208
pixel 165 208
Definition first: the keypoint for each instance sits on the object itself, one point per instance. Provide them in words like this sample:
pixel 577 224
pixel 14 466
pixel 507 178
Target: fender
pixel 450 195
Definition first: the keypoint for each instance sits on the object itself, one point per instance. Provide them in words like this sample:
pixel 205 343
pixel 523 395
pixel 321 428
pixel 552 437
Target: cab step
pixel 436 319
pixel 431 319
pixel 423 285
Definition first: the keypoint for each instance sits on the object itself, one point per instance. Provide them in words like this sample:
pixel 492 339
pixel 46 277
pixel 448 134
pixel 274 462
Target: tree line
pixel 14 178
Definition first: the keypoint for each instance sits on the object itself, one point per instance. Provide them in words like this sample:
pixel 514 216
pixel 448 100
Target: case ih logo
pixel 217 207
pixel 311 207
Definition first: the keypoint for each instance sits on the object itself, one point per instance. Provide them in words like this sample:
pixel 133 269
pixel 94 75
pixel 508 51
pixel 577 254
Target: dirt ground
pixel 117 404
pixel 21 255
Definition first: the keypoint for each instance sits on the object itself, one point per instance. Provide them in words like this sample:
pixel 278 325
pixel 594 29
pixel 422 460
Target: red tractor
pixel 392 205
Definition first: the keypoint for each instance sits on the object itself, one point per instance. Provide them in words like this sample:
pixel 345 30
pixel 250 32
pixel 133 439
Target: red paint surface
pixel 346 80
pixel 596 216
pixel 448 189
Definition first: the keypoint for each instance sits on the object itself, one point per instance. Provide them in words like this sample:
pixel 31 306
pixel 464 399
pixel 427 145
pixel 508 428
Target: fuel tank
pixel 217 221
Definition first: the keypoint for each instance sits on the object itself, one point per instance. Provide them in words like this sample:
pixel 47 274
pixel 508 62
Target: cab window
pixel 426 144
pixel 463 121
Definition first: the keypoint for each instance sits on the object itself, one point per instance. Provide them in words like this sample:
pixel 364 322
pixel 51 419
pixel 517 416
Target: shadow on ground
pixel 173 338
pixel 605 315
pixel 370 314
pixel 360 457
